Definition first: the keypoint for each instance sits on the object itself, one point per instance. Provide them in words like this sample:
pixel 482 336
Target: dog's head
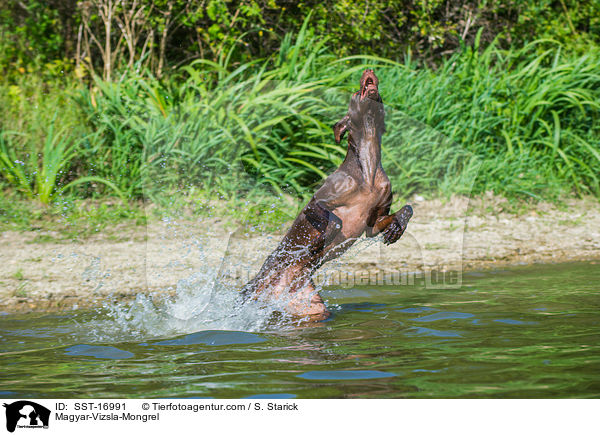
pixel 365 108
pixel 369 86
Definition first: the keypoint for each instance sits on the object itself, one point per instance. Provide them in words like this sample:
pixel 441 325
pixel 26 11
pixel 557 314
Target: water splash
pixel 201 302
pixel 207 299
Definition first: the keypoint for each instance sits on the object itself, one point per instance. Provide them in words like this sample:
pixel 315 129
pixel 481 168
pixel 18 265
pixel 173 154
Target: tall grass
pixel 529 116
pixel 40 138
pixel 39 173
pixel 230 129
pixel 522 122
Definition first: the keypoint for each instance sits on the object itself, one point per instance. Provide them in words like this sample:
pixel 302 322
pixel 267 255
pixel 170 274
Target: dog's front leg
pixel 397 225
pixel 391 225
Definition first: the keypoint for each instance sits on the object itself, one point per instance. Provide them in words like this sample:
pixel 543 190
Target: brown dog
pixel 355 199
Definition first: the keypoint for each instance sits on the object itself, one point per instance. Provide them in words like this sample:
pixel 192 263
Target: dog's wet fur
pixel 353 200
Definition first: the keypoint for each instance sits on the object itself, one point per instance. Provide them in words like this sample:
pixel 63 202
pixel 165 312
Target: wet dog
pixel 353 200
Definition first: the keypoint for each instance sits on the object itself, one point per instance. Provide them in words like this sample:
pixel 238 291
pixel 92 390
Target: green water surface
pixel 530 332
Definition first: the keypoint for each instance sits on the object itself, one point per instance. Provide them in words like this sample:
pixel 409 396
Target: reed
pixel 521 122
pixel 528 116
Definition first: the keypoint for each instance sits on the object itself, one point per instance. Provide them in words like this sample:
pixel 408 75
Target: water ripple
pixel 214 338
pixel 340 375
pixel 443 316
pixel 100 352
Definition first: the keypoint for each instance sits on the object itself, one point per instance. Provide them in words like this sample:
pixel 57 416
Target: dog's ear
pixel 340 127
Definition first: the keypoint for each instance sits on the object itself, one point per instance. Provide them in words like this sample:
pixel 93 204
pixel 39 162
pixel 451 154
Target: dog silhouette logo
pixel 26 414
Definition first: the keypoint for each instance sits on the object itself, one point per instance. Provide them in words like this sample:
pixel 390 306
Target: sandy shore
pixel 443 238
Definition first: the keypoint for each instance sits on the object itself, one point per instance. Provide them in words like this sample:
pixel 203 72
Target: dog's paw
pixel 397 227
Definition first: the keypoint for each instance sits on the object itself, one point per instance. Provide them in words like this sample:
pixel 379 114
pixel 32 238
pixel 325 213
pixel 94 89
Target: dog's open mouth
pixel 369 83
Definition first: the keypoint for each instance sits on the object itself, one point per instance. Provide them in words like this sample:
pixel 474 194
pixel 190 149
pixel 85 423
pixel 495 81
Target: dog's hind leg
pixel 325 222
pixel 308 302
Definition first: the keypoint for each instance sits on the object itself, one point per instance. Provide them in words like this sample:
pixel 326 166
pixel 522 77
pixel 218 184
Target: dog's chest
pixel 361 204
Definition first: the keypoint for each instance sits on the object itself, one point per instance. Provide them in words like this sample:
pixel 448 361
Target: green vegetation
pixel 163 34
pixel 250 123
pixel 518 122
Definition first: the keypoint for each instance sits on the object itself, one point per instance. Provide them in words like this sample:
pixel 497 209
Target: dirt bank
pixel 453 235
